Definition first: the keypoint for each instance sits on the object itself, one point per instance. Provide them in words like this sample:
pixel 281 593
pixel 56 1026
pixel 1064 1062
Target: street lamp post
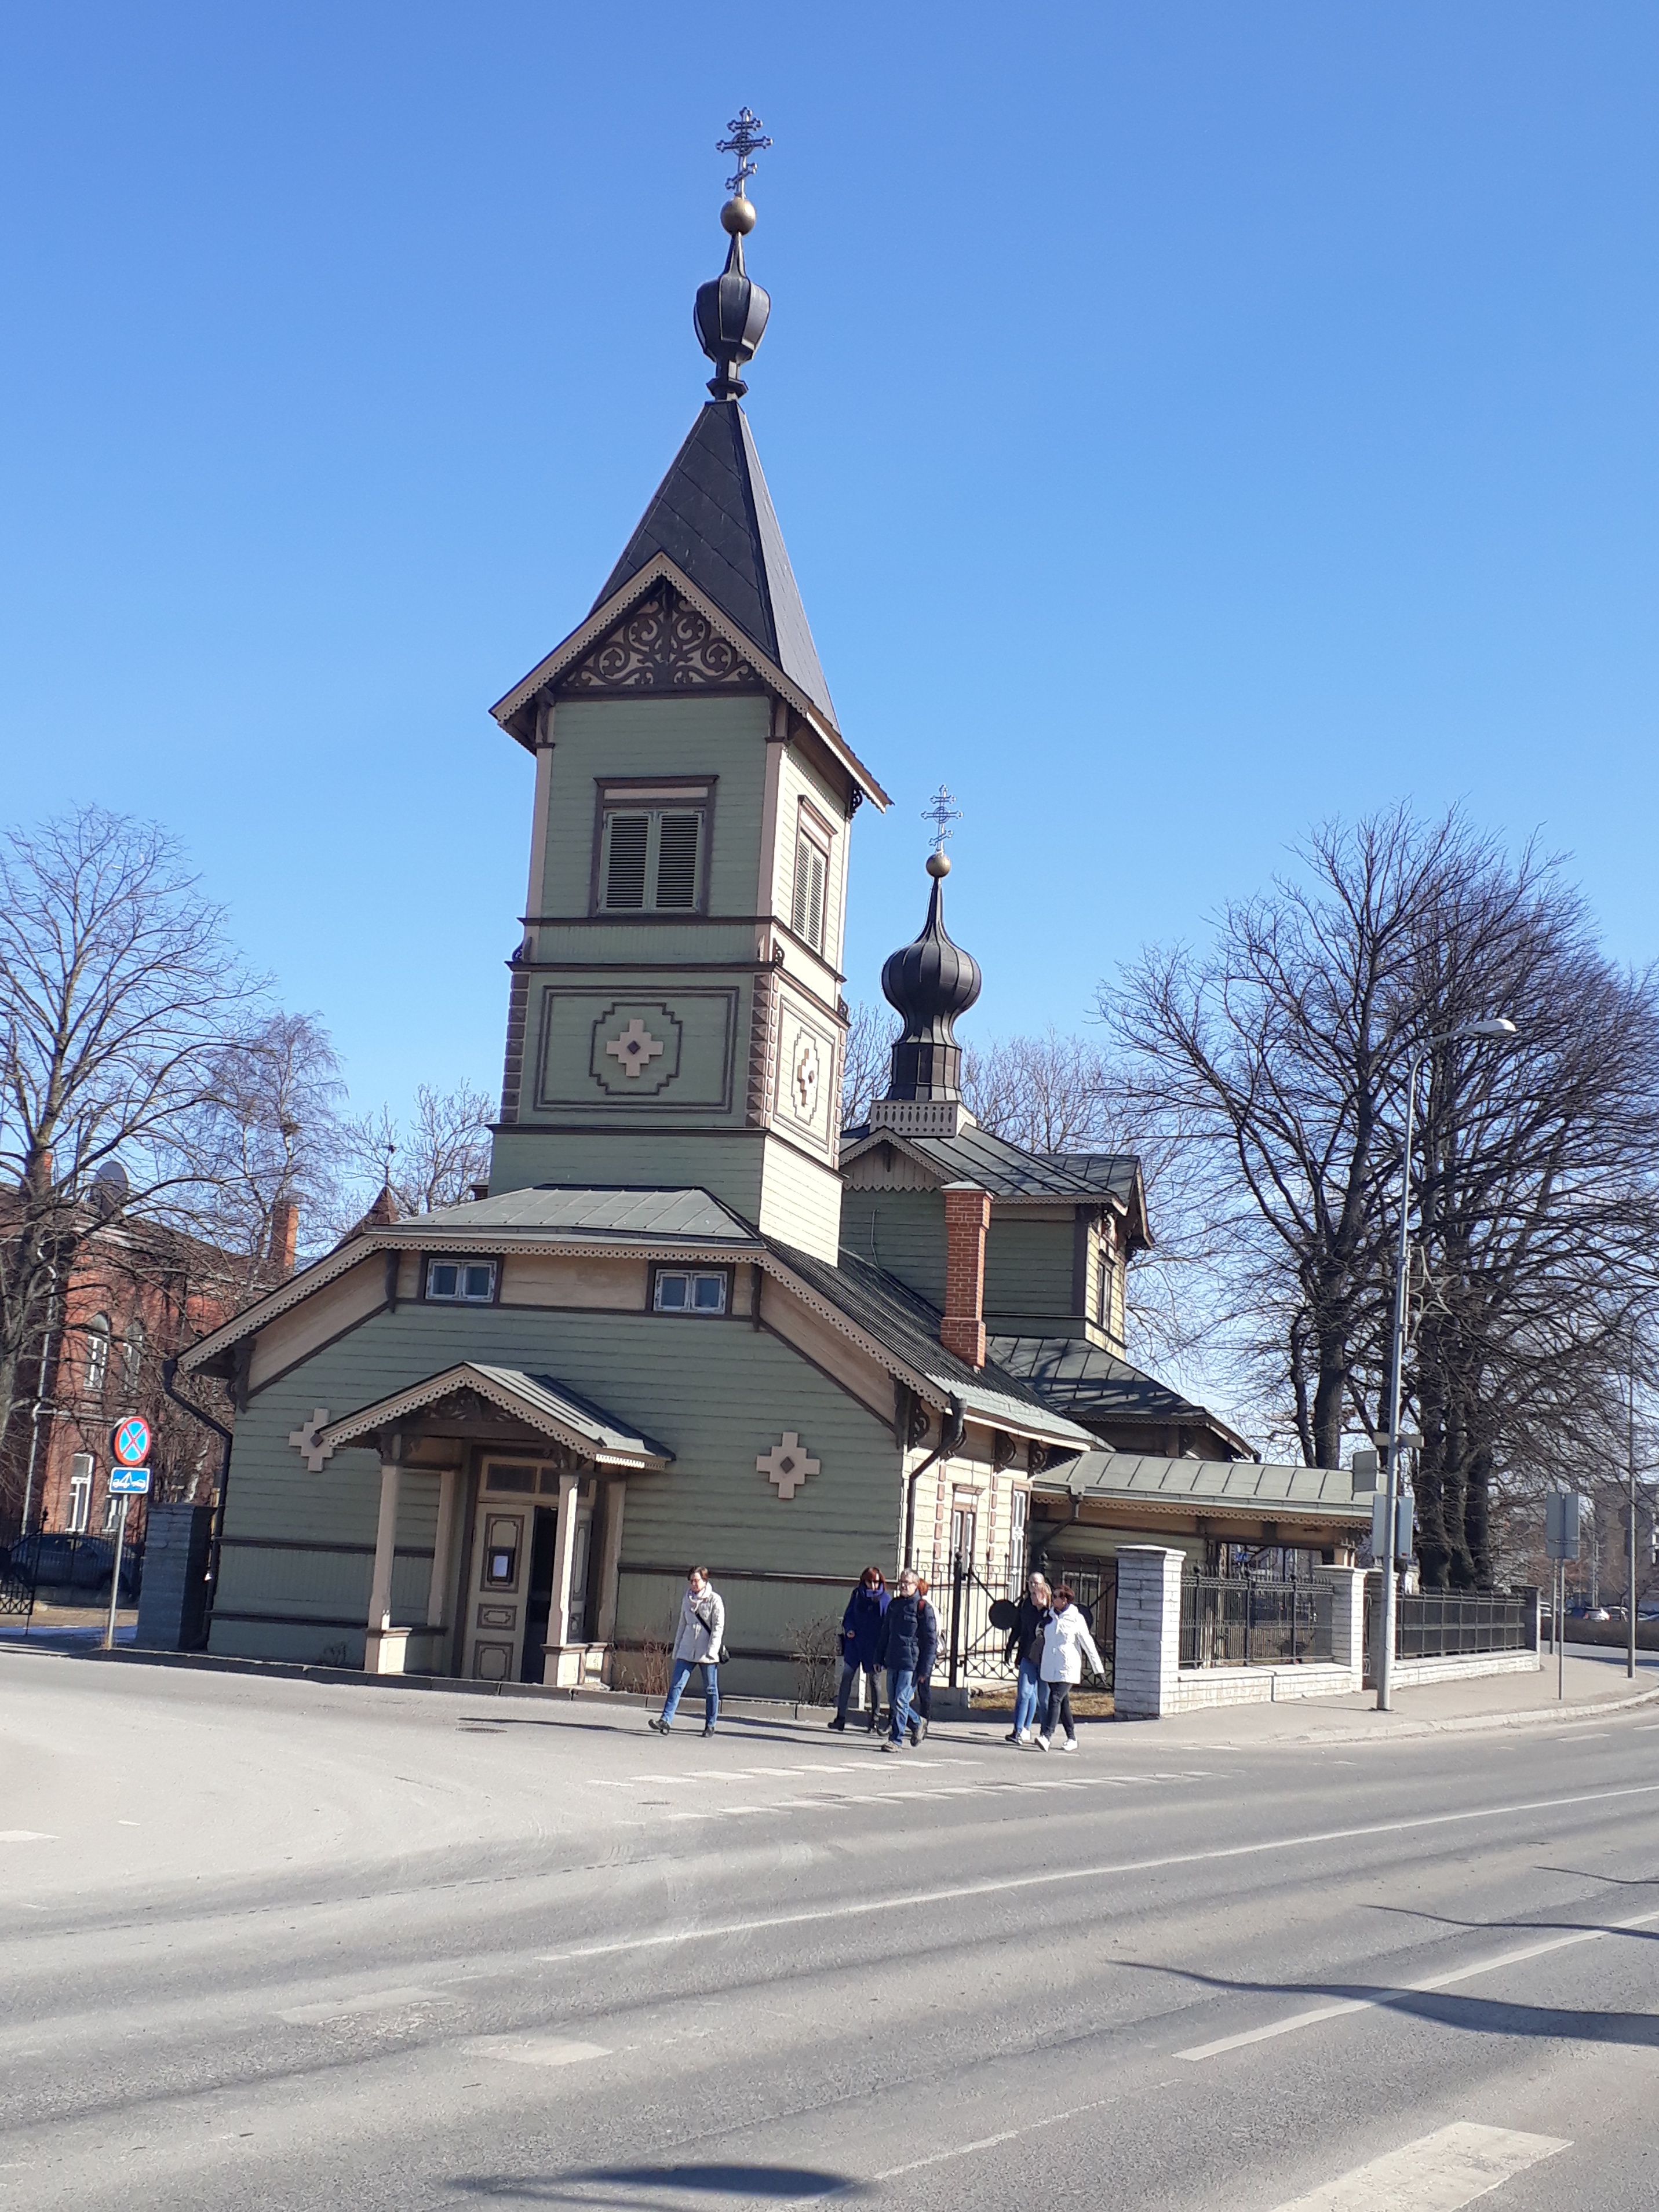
pixel 1498 1028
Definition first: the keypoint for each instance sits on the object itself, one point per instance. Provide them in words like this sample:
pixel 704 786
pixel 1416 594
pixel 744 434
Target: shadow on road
pixel 641 2188
pixel 1478 2015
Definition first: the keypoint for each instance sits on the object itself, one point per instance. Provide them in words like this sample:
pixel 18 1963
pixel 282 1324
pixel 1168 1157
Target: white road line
pixel 1441 2173
pixel 26 1835
pixel 1007 1885
pixel 374 2001
pixel 1390 1997
pixel 534 2050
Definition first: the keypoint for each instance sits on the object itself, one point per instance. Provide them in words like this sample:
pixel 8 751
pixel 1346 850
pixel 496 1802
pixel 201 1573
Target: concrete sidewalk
pixel 1596 1686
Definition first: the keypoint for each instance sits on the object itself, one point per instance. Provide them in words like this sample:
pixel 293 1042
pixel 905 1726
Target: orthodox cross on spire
pixel 745 139
pixel 941 813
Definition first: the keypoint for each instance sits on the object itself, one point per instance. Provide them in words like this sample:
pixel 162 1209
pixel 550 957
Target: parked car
pixel 82 1565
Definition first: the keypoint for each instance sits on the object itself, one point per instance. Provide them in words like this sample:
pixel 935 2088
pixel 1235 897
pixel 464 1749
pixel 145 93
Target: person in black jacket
pixel 921 1702
pixel 909 1634
pixel 860 1631
pixel 1025 1637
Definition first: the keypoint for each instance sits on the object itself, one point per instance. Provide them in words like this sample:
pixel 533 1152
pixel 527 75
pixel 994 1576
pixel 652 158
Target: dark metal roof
pixel 1093 1384
pixel 609 1212
pixel 908 1326
pixel 713 516
pixel 1008 1171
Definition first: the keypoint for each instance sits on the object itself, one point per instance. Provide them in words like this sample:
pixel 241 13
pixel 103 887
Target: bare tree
pixel 866 1061
pixel 1535 1183
pixel 434 1159
pixel 1057 1093
pixel 269 1133
pixel 117 994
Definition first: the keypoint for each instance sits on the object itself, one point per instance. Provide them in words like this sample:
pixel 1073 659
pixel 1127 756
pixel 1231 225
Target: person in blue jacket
pixel 905 1648
pixel 860 1632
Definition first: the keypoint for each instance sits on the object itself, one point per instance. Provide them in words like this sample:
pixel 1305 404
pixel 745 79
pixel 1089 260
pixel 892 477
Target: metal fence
pixel 50 1567
pixel 1230 1623
pixel 1441 1624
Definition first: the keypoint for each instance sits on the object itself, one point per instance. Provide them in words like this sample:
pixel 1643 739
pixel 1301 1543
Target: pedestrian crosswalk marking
pixel 1440 2173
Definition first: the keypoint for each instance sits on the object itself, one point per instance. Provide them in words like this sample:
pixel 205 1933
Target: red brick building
pixel 133 1295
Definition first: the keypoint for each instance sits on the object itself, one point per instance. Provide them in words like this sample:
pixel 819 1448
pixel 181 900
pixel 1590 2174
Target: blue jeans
pixel 900 1694
pixel 711 1688
pixel 1027 1692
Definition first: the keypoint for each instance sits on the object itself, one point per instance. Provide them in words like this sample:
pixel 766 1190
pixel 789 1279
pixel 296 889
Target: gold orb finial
pixel 737 216
pixel 938 864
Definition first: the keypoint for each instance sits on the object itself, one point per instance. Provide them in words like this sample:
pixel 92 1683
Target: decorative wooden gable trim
pixel 662 644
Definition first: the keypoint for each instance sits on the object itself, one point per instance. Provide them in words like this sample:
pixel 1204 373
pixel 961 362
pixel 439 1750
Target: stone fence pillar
pixel 1148 1654
pixel 1347 1618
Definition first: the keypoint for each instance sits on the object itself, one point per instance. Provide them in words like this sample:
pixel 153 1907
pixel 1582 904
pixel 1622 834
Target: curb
pixel 1397 1731
pixel 293 1670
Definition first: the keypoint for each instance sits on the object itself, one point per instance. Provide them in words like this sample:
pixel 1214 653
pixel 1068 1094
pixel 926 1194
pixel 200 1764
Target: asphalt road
pixel 273 1944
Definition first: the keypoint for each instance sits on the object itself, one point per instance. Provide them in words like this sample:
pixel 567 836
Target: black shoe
pixel 839 1724
pixel 919 1733
pixel 709 1728
pixel 661 1727
pixel 914 1734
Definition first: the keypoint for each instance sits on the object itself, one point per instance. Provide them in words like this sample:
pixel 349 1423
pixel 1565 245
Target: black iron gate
pixel 981 1613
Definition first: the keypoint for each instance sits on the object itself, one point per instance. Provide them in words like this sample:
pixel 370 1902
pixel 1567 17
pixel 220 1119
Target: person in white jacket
pixel 698 1642
pixel 1066 1644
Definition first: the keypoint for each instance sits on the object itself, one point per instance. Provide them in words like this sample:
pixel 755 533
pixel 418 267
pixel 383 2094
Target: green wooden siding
pixel 902 1231
pixel 1029 1268
pixel 721 735
pixel 718 1393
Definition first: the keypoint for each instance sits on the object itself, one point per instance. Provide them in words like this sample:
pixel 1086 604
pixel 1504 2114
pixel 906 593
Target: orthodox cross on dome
pixel 745 139
pixel 941 813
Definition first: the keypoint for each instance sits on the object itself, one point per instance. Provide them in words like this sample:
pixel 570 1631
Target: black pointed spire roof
pixel 930 982
pixel 713 516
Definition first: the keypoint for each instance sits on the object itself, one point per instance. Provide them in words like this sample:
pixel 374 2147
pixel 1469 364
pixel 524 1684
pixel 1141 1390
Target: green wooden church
pixel 690 1319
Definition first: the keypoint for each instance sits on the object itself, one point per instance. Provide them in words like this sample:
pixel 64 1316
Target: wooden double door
pixel 514 1572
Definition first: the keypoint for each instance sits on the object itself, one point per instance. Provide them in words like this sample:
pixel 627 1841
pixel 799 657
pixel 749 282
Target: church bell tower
pixel 676 1015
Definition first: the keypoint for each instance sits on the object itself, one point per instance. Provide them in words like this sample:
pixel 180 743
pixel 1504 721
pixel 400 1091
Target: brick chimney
pixel 284 1235
pixel 967 1218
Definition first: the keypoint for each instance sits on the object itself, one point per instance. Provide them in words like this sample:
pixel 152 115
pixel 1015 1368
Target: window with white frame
pixel 460 1282
pixel 807 906
pixel 964 1524
pixel 97 1354
pixel 690 1291
pixel 652 856
pixel 1019 1507
pixel 112 1514
pixel 80 1496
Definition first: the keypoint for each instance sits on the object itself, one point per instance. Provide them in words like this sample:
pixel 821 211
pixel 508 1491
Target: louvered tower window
pixel 806 917
pixel 651 859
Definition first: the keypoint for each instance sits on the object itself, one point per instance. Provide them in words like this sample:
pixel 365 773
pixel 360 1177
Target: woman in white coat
pixel 1066 1644
pixel 698 1642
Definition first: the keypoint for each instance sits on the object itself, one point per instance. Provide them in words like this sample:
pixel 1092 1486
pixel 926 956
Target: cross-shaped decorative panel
pixel 636 1048
pixel 304 1440
pixel 786 1466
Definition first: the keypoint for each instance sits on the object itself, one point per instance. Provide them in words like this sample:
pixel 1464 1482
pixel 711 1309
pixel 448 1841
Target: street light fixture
pixel 1497 1028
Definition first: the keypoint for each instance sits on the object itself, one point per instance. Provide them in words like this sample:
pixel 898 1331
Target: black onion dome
pixel 731 321
pixel 929 982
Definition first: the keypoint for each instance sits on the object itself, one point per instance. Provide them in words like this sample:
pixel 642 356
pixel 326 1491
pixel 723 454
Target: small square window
pixel 690 1291
pixel 461 1282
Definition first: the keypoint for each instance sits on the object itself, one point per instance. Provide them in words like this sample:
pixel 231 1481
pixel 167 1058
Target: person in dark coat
pixel 908 1631
pixel 1025 1637
pixel 921 1704
pixel 860 1632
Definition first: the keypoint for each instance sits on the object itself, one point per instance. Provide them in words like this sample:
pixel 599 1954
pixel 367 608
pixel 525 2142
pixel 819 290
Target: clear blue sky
pixel 1186 420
